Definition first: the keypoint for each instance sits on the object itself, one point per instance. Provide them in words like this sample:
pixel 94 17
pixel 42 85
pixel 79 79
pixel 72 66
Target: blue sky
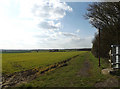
pixel 76 20
pixel 38 24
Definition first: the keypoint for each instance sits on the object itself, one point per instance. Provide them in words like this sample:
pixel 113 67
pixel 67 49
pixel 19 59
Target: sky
pixel 44 24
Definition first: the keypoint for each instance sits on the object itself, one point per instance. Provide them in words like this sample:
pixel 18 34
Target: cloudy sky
pixel 33 24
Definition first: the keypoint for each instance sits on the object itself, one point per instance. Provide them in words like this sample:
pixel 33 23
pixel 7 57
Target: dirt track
pixel 85 70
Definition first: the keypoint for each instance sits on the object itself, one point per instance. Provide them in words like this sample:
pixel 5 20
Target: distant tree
pixel 37 51
pixel 106 17
pixel 54 50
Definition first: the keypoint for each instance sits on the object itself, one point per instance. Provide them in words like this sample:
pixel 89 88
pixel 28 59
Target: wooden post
pixel 99 47
pixel 117 37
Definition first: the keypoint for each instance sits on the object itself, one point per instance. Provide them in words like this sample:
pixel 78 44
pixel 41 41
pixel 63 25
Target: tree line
pixel 104 16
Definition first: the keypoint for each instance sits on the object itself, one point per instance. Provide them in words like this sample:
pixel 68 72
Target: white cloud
pixel 45 13
pixel 64 40
pixel 49 25
pixel 44 9
pixel 78 30
pixel 51 9
pixel 69 34
pixel 36 25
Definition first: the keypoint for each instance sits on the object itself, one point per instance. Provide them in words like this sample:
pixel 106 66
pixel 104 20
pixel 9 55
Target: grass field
pixel 81 71
pixel 76 74
pixel 15 62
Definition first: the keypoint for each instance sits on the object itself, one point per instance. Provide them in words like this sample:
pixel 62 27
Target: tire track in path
pixel 85 70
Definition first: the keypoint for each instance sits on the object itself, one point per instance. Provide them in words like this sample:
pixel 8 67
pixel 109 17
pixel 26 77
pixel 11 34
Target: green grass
pixel 15 62
pixel 68 76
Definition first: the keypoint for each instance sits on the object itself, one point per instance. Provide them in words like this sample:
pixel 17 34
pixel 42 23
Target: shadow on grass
pixel 115 72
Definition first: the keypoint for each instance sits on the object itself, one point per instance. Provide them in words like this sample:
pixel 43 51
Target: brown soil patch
pixel 85 70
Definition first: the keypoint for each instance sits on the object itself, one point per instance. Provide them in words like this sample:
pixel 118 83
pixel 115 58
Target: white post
pixel 117 56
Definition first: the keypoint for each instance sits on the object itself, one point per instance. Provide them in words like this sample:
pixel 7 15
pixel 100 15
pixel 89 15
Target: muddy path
pixel 85 70
pixel 28 75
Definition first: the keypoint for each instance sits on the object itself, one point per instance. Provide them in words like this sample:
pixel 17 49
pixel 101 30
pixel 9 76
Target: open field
pixel 82 71
pixel 15 62
pixel 79 71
